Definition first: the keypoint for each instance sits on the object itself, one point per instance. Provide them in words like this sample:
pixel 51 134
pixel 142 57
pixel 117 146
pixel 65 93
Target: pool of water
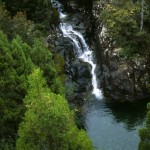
pixel 114 126
pixel 111 126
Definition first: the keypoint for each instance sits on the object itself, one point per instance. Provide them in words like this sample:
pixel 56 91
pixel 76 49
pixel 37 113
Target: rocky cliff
pixel 121 78
pixel 77 71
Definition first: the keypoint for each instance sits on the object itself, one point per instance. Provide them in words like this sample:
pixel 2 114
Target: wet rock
pixel 82 76
pixel 83 69
pixel 78 72
pixel 79 99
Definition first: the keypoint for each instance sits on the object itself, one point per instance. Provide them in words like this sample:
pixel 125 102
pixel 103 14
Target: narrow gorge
pixel 75 75
pixel 112 123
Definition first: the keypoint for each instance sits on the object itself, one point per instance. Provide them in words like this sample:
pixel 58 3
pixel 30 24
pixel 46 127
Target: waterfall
pixel 83 51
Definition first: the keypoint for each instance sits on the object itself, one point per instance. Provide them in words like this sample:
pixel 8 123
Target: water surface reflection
pixel 114 126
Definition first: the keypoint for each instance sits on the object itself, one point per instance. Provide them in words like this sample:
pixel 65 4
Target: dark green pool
pixel 114 126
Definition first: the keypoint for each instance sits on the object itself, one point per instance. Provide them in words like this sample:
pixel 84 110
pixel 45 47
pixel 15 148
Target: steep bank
pixel 121 78
pixel 110 125
pixel 72 44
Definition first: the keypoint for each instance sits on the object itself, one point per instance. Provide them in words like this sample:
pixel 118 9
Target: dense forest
pixel 34 112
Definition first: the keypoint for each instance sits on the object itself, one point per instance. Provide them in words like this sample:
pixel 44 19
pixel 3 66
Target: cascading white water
pixel 83 50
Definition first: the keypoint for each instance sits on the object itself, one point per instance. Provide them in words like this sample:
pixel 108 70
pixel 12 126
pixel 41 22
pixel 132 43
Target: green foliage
pixel 20 52
pixel 17 25
pixel 39 11
pixel 48 122
pixel 14 66
pixel 147 15
pixel 7 144
pixel 70 91
pixel 39 53
pixel 16 61
pixel 145 134
pixel 117 18
pixel 122 20
pixel 42 57
pixel 59 65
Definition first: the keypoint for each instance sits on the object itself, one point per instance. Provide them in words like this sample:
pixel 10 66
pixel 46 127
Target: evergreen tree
pixel 39 11
pixel 42 57
pixel 17 25
pixel 14 66
pixel 48 122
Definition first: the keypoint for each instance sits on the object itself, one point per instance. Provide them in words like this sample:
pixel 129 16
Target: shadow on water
pixel 111 126
pixel 131 114
pixel 114 125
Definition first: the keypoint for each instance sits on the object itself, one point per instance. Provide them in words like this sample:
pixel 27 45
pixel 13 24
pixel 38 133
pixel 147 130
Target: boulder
pixel 82 76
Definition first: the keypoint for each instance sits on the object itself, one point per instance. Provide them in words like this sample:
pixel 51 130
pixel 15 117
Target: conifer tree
pixel 42 57
pixel 39 11
pixel 14 66
pixel 48 122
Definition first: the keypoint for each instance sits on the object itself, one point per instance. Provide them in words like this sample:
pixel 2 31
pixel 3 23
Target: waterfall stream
pixel 110 125
pixel 83 51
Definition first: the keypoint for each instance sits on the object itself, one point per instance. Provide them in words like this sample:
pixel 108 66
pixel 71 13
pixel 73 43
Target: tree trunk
pixel 142 14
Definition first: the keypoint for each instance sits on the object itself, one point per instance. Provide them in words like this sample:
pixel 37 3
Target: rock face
pixel 78 73
pixel 121 78
pixel 83 79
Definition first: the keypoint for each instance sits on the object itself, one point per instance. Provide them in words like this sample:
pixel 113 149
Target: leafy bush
pixel 145 133
pixel 122 20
